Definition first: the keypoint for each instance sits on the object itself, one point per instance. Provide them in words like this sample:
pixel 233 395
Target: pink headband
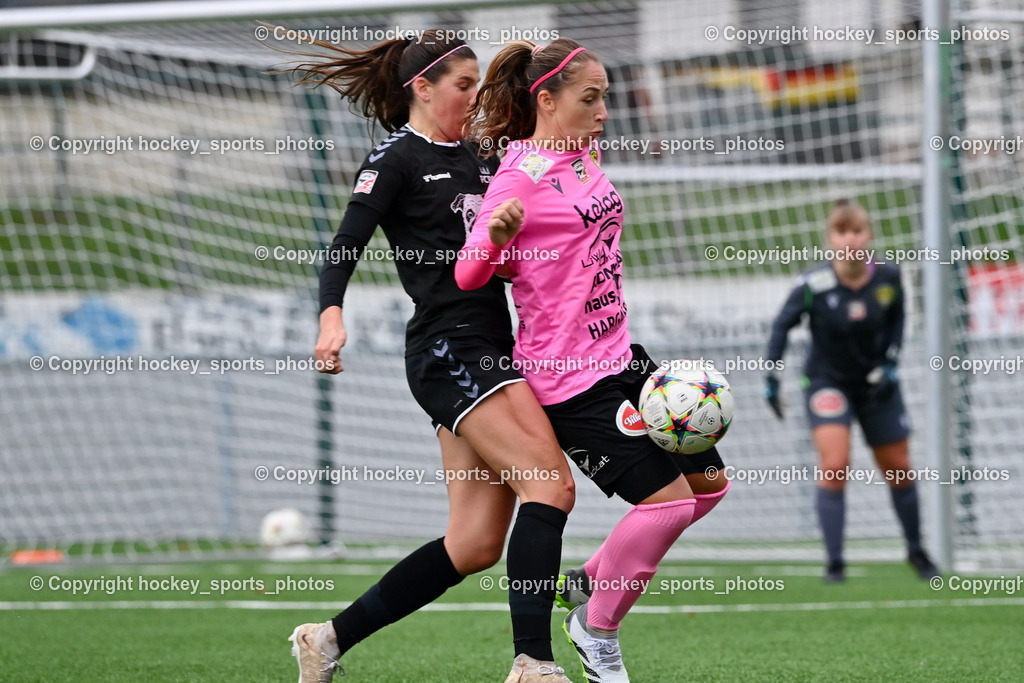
pixel 556 69
pixel 432 64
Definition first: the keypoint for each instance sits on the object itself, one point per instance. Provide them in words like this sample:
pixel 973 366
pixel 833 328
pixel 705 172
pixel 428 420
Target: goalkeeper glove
pixel 882 381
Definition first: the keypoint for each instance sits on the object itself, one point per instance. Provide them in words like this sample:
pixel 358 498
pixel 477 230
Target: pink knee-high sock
pixel 707 501
pixel 591 565
pixel 630 557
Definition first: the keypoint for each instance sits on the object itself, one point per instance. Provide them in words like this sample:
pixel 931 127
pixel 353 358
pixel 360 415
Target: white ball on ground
pixel 283 528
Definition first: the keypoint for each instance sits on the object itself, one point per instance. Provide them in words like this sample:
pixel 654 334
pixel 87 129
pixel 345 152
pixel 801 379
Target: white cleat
pixel 526 669
pixel 316 648
pixel 601 657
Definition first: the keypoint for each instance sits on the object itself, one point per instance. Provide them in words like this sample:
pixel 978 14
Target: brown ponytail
pixel 373 79
pixel 505 108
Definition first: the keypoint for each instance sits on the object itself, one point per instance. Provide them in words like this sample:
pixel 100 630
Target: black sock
pixel 534 551
pixel 905 502
pixel 417 580
pixel 831 515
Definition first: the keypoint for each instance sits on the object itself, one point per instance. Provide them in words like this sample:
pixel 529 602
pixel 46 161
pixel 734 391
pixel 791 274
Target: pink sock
pixel 630 556
pixel 591 565
pixel 707 501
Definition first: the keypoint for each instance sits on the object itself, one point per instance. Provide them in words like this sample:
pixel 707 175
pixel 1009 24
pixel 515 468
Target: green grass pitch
pixel 883 624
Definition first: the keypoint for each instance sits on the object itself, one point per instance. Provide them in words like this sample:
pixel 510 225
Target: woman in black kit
pixel 423 185
pixel 855 308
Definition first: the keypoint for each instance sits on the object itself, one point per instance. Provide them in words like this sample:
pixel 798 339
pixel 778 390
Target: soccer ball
pixel 284 527
pixel 686 406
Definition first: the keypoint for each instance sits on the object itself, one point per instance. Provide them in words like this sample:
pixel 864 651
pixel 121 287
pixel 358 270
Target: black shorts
pixel 831 402
pixel 601 431
pixel 452 376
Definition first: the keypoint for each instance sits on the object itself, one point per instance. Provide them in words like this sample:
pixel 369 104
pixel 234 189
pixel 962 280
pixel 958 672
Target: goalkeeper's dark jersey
pixel 852 332
pixel 427 196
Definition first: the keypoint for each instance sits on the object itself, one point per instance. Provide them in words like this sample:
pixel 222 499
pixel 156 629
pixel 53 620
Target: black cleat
pixel 923 565
pixel 835 572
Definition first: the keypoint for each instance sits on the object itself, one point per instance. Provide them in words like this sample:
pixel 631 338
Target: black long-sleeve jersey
pixel 425 195
pixel 852 332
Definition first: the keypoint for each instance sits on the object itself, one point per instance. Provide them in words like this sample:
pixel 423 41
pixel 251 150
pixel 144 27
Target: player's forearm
pixel 331 317
pixel 477 264
pixel 342 256
pixel 783 323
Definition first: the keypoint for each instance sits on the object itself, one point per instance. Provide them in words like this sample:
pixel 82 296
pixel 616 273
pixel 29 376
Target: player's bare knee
pixel 832 481
pixel 703 484
pixel 899 477
pixel 483 555
pixel 473 549
pixel 720 483
pixel 559 492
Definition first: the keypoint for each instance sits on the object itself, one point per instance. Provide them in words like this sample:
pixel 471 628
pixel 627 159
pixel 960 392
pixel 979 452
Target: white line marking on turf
pixel 60 605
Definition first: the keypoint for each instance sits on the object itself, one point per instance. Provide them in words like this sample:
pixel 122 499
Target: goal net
pixel 165 200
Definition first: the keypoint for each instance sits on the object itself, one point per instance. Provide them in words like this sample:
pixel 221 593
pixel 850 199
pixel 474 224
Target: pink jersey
pixel 567 281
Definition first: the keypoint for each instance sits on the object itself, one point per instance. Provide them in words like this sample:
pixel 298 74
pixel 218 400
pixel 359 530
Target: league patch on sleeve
pixel 364 184
pixel 822 279
pixel 535 165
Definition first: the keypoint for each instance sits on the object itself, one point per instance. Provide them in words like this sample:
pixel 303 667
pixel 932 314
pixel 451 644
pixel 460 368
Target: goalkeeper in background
pixel 855 309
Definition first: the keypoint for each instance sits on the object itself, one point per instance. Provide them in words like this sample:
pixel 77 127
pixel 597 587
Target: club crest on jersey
pixel 468 206
pixel 856 310
pixel 828 402
pixel 885 295
pixel 364 185
pixel 581 171
pixel 628 420
pixel 535 165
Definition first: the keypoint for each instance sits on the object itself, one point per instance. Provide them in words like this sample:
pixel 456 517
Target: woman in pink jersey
pixel 552 220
